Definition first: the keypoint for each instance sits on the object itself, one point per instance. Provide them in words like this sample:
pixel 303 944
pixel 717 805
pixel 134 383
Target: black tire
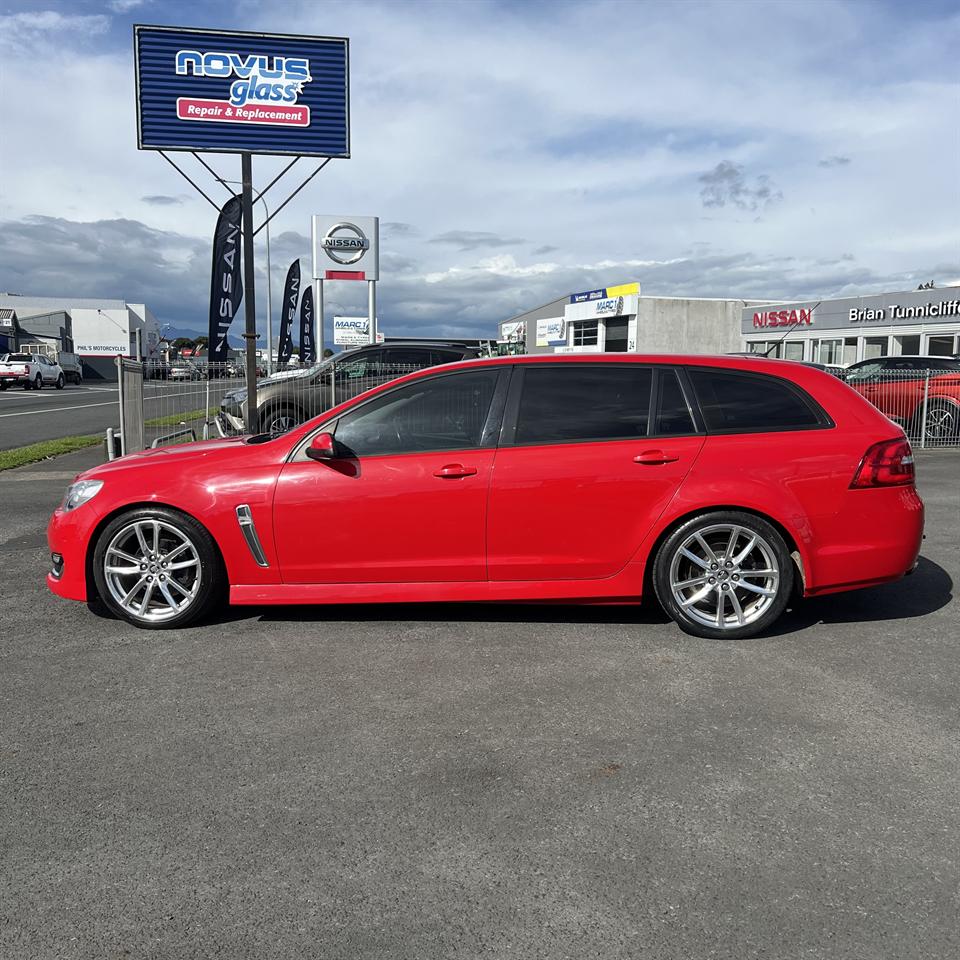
pixel 3 385
pixel 279 418
pixel 38 383
pixel 210 590
pixel 61 380
pixel 745 607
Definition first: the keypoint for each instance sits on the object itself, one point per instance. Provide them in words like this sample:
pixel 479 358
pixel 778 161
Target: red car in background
pixel 724 486
pixel 920 393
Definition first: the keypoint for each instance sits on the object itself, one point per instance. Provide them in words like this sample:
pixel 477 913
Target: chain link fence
pixel 926 403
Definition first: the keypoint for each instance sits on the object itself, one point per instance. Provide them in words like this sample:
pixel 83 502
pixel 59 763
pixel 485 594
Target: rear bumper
pixel 18 378
pixel 876 538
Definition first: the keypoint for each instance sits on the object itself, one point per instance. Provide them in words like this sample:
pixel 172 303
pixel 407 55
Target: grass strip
pixel 44 450
pixel 175 418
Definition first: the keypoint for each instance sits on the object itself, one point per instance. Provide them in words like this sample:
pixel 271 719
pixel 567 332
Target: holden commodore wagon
pixel 724 486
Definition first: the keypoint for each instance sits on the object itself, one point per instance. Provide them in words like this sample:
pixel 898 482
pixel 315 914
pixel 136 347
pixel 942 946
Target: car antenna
pixel 789 331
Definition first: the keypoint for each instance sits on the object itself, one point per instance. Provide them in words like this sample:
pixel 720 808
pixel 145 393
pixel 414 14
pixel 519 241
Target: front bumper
pixel 68 535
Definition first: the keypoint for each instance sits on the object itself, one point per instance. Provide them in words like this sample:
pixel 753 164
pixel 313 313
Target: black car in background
pixel 293 396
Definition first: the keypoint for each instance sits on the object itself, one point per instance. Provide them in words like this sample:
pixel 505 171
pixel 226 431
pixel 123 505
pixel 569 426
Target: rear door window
pixel 751 403
pixel 673 412
pixel 568 403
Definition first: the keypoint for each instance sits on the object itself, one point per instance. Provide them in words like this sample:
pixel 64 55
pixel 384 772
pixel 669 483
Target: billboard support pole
pixel 249 303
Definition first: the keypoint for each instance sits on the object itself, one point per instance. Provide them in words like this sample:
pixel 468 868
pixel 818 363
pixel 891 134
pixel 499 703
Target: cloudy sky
pixel 515 152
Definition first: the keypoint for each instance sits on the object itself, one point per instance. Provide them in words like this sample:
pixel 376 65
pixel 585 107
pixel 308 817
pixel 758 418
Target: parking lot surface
pixel 479 781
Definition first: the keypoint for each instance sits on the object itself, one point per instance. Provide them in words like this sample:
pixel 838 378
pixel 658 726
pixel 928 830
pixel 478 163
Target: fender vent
pixel 249 530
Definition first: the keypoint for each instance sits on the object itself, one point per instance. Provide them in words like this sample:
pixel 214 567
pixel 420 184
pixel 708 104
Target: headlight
pixel 80 492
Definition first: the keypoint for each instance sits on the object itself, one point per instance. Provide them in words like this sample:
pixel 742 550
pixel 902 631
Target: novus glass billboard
pixel 234 92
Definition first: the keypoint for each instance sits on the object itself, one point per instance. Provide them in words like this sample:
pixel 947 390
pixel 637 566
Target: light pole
pixel 269 284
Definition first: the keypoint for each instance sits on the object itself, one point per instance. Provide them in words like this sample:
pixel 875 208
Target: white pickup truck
pixel 30 370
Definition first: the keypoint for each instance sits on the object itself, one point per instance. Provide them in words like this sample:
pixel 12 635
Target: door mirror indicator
pixel 322 447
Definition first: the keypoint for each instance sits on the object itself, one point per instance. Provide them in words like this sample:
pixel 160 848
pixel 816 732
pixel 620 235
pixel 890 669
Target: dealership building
pixel 98 331
pixel 849 329
pixel 619 319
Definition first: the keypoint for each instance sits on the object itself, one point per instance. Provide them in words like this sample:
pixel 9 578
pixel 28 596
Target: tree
pixel 182 342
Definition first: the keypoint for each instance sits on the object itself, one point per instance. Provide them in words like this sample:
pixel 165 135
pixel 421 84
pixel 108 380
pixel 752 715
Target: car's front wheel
pixel 157 568
pixel 61 380
pixel 279 419
pixel 724 574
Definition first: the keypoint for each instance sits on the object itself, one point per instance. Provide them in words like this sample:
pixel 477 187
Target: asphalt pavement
pixel 472 781
pixel 27 416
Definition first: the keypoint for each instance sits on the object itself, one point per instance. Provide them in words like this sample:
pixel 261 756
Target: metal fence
pixel 926 403
pixel 163 403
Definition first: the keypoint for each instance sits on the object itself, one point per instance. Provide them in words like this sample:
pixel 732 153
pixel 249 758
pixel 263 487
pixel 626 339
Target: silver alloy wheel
pixel 942 421
pixel 724 576
pixel 280 423
pixel 152 570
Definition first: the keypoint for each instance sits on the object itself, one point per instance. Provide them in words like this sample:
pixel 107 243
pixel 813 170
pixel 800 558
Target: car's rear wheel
pixel 38 382
pixel 723 575
pixel 279 419
pixel 157 568
pixel 942 420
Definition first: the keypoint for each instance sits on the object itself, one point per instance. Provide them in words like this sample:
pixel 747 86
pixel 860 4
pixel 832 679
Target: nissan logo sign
pixel 345 243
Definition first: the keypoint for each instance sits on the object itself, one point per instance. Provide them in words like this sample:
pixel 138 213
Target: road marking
pixel 31 413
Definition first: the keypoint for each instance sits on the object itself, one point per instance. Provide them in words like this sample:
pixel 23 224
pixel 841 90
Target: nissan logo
pixel 345 243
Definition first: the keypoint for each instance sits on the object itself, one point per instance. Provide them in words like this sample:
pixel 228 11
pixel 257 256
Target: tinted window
pixel 407 357
pixel 673 414
pixel 442 413
pixel 364 365
pixel 749 403
pixel 567 403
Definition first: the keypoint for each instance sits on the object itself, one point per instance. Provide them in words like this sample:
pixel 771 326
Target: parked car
pixel 30 370
pixel 184 370
pixel 723 486
pixel 293 396
pixel 920 393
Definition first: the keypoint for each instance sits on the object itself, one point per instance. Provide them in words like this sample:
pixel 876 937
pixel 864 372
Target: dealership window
pixel 563 404
pixel 439 413
pixel 585 333
pixel 792 350
pixel 758 346
pixel 830 351
pixel 943 345
pixel 909 345
pixel 744 403
pixel 874 347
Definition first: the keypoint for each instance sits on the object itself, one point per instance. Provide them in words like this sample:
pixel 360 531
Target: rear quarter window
pixel 733 402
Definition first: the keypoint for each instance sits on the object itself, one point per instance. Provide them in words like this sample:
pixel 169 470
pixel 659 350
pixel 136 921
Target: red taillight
pixel 886 464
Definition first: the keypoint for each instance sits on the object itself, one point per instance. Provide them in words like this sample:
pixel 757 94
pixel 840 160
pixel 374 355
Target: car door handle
pixel 653 458
pixel 453 471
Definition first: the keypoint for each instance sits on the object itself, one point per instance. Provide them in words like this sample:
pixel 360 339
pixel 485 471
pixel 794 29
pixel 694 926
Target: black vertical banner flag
pixel 288 313
pixel 308 349
pixel 226 285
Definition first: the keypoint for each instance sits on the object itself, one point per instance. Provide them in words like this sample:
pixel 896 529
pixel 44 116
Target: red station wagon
pixel 726 486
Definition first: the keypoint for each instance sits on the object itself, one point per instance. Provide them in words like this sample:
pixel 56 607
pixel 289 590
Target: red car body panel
pixel 571 521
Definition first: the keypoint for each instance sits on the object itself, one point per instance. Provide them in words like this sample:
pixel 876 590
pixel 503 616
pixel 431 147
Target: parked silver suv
pixel 294 396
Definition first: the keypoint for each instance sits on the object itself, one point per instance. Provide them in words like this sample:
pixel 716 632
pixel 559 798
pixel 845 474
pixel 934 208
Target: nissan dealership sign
pixel 346 248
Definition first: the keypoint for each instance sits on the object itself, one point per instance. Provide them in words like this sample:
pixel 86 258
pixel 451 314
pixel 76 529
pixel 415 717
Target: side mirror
pixel 322 447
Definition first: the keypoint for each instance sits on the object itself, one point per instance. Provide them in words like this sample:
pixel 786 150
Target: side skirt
pixel 627 586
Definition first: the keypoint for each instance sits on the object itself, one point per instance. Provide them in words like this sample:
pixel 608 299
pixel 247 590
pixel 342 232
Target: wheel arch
pixel 794 544
pixel 91 583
